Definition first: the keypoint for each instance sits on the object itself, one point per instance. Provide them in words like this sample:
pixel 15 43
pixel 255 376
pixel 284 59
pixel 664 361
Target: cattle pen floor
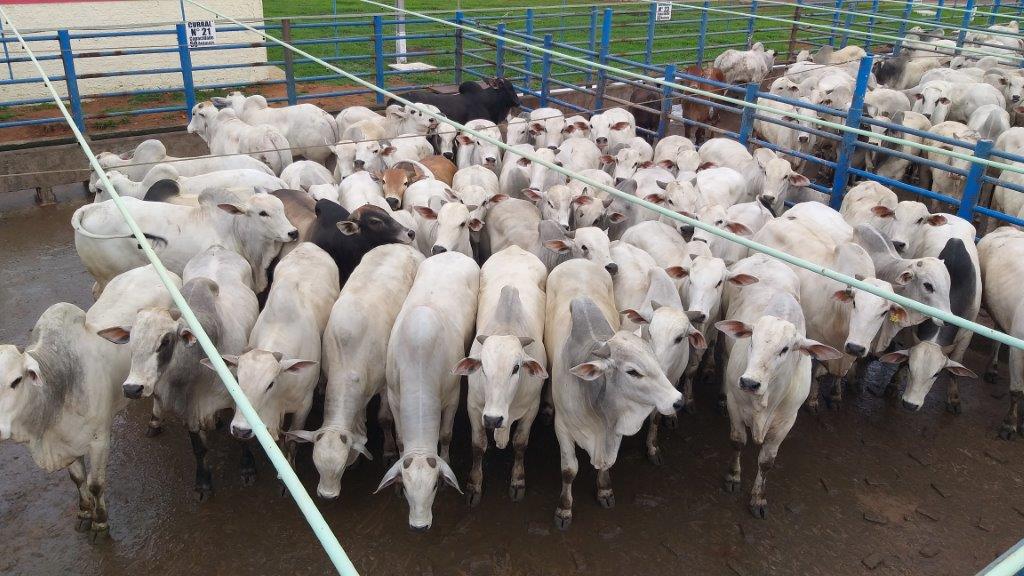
pixel 867 486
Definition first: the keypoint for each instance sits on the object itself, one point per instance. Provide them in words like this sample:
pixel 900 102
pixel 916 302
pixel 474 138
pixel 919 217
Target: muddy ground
pixel 870 485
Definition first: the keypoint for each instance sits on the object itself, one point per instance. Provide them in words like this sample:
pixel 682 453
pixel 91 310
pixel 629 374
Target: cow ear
pixel 667 164
pixel 742 279
pixel 533 194
pixel 475 224
pixel 677 272
pixel 33 371
pixel 706 166
pixel 534 368
pixel 302 436
pixel 583 200
pixel 387 151
pixel 734 328
pixel 348 227
pixel 936 220
pixel 569 129
pixel 466 366
pixel 589 371
pixel 897 314
pixel 187 337
pixel 819 351
pixel 390 476
pixel 559 246
pixel 882 211
pixel 646 164
pixel 656 198
pixel 523 162
pixel 799 180
pixel 117 334
pixel 616 217
pixel 496 199
pixel 607 159
pixel 739 228
pixel 897 357
pixel 464 140
pixel 232 209
pixel 426 212
pixel 620 125
pixel 635 317
pixel 957 369
pixel 295 365
pixel 697 340
pixel 843 295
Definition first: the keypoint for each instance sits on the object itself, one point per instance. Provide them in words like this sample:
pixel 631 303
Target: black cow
pixel 472 102
pixel 346 237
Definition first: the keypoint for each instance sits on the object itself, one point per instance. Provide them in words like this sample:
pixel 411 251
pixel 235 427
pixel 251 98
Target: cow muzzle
pixel 438 249
pixel 132 391
pixel 422 528
pixel 910 406
pixel 394 203
pixel 492 422
pixel 448 155
pixel 749 384
pixel 855 350
pixel 241 433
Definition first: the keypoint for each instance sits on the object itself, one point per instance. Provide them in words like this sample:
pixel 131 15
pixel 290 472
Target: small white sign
pixel 663 12
pixel 201 33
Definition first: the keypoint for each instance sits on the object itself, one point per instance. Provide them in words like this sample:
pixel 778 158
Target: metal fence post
pixel 666 101
pixel 459 47
pixel 847 148
pixel 378 54
pixel 938 10
pixel 528 57
pixel 602 75
pixel 70 78
pixel 794 30
pixel 871 26
pixel 747 116
pixel 652 15
pixel 545 71
pixel 499 52
pixel 996 5
pixel 751 23
pixel 968 14
pixel 703 32
pixel 835 23
pixel 185 57
pixel 592 45
pixel 850 16
pixel 972 188
pixel 903 27
pixel 289 63
pixel 1020 8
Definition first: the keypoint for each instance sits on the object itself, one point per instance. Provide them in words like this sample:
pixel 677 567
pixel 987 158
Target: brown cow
pixel 649 97
pixel 443 168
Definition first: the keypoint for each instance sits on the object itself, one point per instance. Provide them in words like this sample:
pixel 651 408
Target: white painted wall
pixel 134 14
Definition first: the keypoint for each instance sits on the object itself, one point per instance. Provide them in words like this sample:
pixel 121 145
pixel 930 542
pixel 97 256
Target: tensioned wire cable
pixel 772 252
pixel 949 8
pixel 662 82
pixel 288 476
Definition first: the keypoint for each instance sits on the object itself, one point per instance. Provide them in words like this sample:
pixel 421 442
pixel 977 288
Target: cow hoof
pixel 203 493
pixel 154 431
pixel 606 498
pixel 100 533
pixel 953 407
pixel 563 518
pixel 759 509
pixel 992 376
pixel 516 492
pixel 1007 432
pixel 670 422
pixel 655 458
pixel 83 524
pixel 248 476
pixel 732 483
pixel 472 497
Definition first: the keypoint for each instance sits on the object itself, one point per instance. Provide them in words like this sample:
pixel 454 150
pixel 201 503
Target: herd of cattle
pixel 399 255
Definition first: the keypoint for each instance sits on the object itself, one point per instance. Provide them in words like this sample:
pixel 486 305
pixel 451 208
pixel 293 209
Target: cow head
pixel 670 334
pixel 555 203
pixel 588 242
pixel 19 373
pixel 153 340
pixel 454 223
pixel 707 278
pixel 868 315
pixel 396 179
pixel 925 363
pixel 264 216
pixel 421 475
pixel 375 226
pixel 908 223
pixel 203 116
pixel 334 450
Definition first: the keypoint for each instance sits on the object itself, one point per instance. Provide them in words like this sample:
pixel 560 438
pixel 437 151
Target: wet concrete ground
pixel 870 485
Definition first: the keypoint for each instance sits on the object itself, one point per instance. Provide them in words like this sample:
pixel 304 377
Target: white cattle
pixel 989 121
pixel 632 278
pixel 515 171
pixel 604 381
pixel 476 176
pixel 576 127
pixel 781 180
pixel 255 227
pixel 166 360
pixel 767 379
pixel 869 203
pixel 556 203
pixel 546 126
pixel 353 114
pixel 744 66
pixel 611 128
pixel 590 212
pixel 631 156
pixel 448 228
pixel 541 176
pixel 507 362
pixel 891 166
pixel 305 173
pixel 257 180
pixel 1006 200
pixel 474 151
pixel 354 355
pixel 578 154
pixel 1002 263
pixel 405 147
pixel 359 189
pixel 665 245
pixel 398 119
pixel 886 102
pixel 280 368
pixel 726 153
pixel 137 163
pixel 940 101
pixel 225 133
pixel 60 395
pixel 517 130
pixel 431 335
pixel 944 181
pixel 745 219
pixel 786 138
pixel 668 150
pixel 309 130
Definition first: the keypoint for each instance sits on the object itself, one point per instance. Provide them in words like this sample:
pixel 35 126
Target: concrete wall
pixel 134 14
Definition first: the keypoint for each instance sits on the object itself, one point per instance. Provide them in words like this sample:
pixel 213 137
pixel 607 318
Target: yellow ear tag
pixel 894 317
